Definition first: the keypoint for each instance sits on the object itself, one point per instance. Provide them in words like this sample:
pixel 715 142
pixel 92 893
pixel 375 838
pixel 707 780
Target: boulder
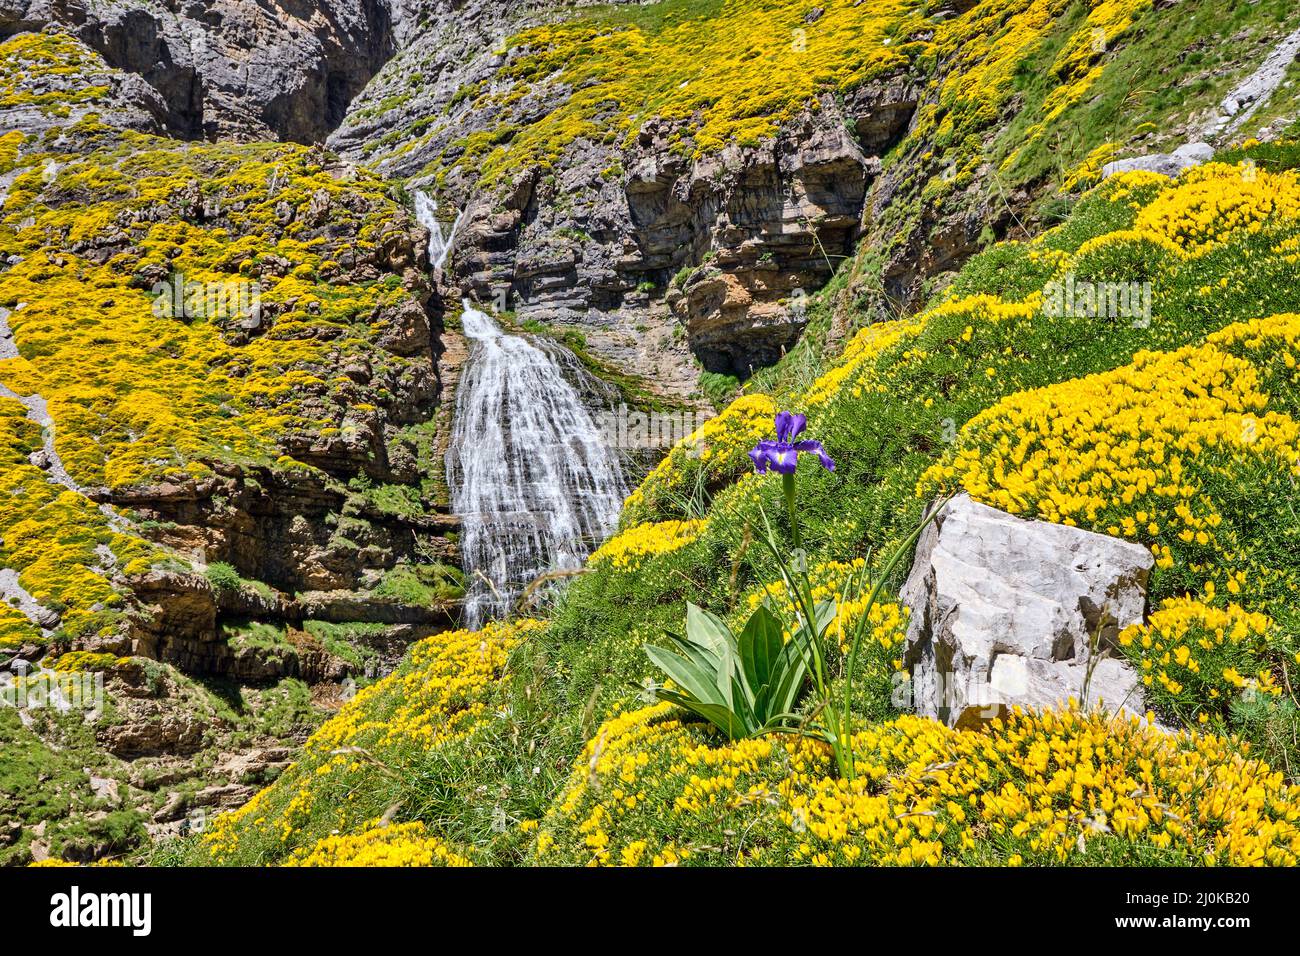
pixel 1006 611
pixel 1166 164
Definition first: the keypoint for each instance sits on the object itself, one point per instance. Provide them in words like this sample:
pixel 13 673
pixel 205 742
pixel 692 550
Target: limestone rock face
pixel 1007 611
pixel 228 68
pixel 633 241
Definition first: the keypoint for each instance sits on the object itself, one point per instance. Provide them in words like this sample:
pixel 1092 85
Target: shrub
pixel 223 576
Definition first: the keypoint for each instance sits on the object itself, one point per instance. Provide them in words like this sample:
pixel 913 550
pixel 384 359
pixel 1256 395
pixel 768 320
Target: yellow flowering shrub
pixel 1068 787
pixel 1217 199
pixel 86 661
pixel 1077 63
pixel 402 844
pixel 65 65
pixel 626 549
pixel 715 452
pixel 1197 659
pixel 440 690
pixel 1088 172
pixel 734 72
pixel 857 360
pixel 1114 449
pixel 53 537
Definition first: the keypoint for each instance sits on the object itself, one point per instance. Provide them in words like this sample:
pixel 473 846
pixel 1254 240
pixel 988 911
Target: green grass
pixel 44 782
pixel 422 584
pixel 719 388
pixel 346 640
pixel 1170 45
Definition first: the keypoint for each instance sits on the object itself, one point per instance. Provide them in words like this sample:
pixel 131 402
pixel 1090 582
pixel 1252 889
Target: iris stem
pixel 787 485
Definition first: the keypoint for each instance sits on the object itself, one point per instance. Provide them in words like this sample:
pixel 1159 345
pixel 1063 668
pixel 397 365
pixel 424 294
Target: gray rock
pixel 1007 611
pixel 228 68
pixel 1167 164
pixel 1241 103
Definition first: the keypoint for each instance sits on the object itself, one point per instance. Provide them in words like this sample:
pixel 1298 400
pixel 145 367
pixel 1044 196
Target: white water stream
pixel 535 483
pixel 440 243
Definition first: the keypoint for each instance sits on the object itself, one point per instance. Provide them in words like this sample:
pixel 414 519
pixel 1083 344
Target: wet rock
pixel 1006 611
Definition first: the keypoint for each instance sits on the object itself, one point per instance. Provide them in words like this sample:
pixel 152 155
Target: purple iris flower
pixel 782 455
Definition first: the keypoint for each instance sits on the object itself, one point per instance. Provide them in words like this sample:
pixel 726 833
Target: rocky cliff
pixel 220 391
pixel 227 69
pixel 678 179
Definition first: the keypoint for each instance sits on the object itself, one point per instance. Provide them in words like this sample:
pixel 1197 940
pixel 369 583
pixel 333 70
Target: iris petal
pixel 815 448
pixel 789 425
pixel 783 458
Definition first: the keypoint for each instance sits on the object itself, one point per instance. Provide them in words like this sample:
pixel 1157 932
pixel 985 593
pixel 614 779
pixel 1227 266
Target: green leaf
pixel 711 634
pixel 722 718
pixel 823 615
pixel 791 673
pixel 760 647
pixel 687 675
pixel 709 631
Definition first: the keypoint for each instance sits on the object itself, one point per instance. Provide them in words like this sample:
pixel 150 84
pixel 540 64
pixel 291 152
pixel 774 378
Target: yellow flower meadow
pixel 627 548
pixel 1068 787
pixel 405 844
pixel 438 696
pixel 1118 450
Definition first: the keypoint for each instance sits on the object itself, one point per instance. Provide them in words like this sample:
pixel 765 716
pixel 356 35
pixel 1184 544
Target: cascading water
pixel 426 214
pixel 536 485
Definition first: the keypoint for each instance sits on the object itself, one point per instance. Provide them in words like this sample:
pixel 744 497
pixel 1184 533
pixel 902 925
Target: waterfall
pixel 535 483
pixel 426 214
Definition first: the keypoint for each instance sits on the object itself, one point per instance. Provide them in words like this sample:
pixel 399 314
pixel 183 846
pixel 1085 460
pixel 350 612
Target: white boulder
pixel 1006 611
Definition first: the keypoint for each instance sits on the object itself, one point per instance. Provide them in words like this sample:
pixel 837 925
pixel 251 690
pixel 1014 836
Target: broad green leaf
pixel 712 635
pixel 823 614
pixel 722 718
pixel 709 631
pixel 792 671
pixel 698 683
pixel 760 645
